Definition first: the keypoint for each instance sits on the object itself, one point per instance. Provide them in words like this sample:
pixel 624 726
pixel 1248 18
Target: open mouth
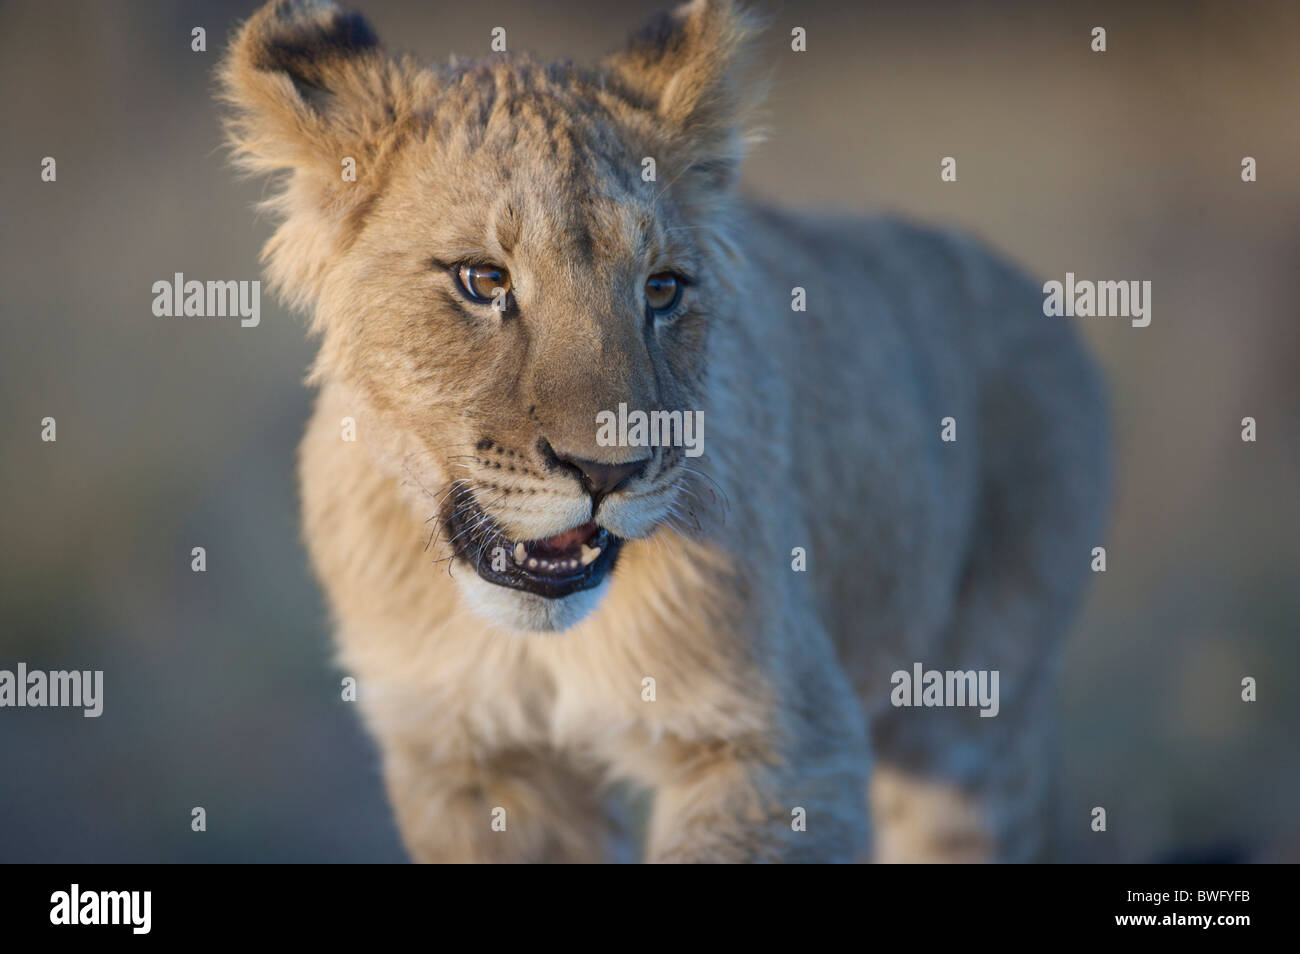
pixel 556 566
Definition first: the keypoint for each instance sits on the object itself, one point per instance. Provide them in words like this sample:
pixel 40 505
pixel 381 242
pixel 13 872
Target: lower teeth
pixel 587 556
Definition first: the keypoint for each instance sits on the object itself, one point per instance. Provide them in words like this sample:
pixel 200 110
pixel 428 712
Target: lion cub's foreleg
pixel 508 807
pixel 792 793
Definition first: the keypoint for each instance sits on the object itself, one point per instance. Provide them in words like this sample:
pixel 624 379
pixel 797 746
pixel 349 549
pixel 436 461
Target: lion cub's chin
pixel 526 612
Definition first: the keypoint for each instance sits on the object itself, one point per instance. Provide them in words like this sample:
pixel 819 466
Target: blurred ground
pixel 173 435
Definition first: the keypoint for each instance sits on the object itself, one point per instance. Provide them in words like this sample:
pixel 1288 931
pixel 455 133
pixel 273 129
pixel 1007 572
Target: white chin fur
pixel 525 612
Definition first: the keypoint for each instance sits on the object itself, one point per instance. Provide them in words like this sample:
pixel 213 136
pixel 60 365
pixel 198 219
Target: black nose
pixel 601 480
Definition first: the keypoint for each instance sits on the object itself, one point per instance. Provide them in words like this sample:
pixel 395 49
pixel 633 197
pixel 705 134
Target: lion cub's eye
pixel 662 292
pixel 483 283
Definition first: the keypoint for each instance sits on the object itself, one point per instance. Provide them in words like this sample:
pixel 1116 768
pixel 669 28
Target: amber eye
pixel 483 283
pixel 662 292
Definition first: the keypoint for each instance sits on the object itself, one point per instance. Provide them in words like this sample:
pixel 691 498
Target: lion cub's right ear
pixel 312 94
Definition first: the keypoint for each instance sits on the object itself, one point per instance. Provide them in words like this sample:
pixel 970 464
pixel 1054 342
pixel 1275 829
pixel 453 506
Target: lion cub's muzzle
pixel 553 567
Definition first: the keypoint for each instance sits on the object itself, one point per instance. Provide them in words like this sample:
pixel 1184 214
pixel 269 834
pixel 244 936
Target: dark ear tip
pixel 296 32
pixel 659 32
pixel 352 32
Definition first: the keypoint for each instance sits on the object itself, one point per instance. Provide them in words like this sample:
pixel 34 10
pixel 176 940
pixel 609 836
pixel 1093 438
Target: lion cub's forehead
pixel 554 120
pixel 541 157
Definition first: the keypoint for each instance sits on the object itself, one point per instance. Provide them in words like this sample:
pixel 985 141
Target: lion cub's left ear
pixel 312 94
pixel 692 69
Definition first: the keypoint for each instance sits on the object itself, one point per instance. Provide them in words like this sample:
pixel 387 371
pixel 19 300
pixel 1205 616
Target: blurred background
pixel 219 690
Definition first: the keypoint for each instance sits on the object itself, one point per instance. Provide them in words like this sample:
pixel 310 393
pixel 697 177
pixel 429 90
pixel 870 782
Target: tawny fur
pixel 822 431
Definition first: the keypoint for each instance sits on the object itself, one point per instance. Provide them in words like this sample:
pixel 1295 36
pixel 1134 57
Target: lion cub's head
pixel 496 252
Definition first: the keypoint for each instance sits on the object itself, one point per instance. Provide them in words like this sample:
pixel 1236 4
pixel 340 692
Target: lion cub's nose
pixel 601 480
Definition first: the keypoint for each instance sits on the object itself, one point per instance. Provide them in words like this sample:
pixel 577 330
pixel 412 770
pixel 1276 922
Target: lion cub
pixel 906 476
